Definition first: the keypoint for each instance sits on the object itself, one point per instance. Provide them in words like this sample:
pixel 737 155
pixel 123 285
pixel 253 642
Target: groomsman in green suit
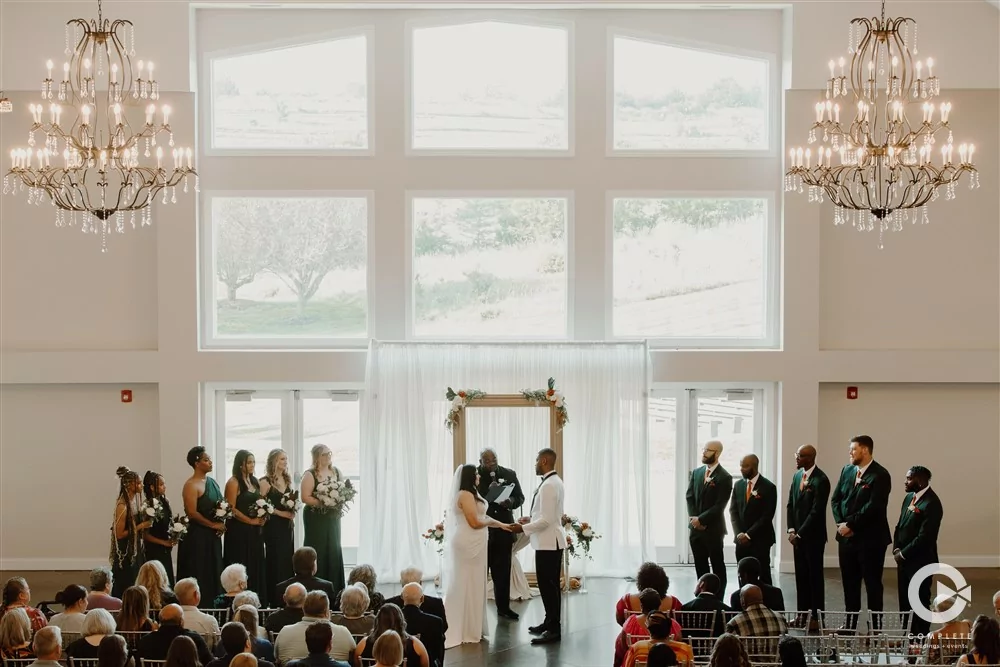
pixel 751 510
pixel 860 502
pixel 707 495
pixel 914 543
pixel 808 496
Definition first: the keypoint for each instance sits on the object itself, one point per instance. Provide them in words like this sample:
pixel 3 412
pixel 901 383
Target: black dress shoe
pixel 547 637
pixel 507 613
pixel 537 629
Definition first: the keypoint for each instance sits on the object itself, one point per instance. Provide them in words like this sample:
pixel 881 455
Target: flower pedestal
pixel 583 576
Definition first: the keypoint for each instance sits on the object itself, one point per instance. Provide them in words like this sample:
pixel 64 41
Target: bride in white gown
pixel 464 575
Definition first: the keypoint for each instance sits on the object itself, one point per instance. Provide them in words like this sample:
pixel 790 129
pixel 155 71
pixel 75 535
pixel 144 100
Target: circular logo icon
pixel 959 590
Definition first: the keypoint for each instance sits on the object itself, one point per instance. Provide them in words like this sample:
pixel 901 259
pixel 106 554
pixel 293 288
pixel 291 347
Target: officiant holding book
pixel 502 490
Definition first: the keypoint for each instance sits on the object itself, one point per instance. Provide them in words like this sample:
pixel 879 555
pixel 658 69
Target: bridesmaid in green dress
pixel 322 528
pixel 200 554
pixel 244 539
pixel 126 542
pixel 279 531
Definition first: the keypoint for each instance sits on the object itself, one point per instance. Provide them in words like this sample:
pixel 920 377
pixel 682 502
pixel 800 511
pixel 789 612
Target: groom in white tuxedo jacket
pixel 544 529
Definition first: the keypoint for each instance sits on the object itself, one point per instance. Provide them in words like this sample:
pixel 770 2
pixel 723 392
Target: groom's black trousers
pixel 498 556
pixel 548 565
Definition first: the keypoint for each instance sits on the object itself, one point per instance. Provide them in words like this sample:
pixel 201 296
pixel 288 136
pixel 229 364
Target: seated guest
pixel 390 618
pixel 985 643
pixel 428 627
pixel 661 656
pixel 353 606
pixel 100 590
pixel 97 624
pixel 756 620
pixel 660 628
pixel 189 597
pixel 304 564
pixel 653 576
pixel 234 581
pixel 246 598
pixel 791 653
pixel 940 649
pixel 183 653
pixel 291 641
pixel 432 605
pixel 294 596
pixel 134 615
pixel 388 649
pixel 319 641
pixel 748 572
pixel 17 595
pixel 365 574
pixel 153 577
pixel 74 601
pixel 729 652
pixel 235 640
pixel 996 605
pixel 635 624
pixel 113 652
pixel 706 593
pixel 15 635
pixel 47 646
pixel 245 660
pixel 260 647
pixel 155 645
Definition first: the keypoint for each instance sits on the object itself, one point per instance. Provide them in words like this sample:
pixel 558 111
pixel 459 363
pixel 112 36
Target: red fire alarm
pixel 126 395
pixel 852 393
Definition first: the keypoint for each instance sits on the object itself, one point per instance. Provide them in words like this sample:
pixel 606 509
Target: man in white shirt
pixel 290 643
pixel 189 597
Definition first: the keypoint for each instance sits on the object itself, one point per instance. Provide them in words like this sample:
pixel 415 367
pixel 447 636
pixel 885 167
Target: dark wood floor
pixel 589 628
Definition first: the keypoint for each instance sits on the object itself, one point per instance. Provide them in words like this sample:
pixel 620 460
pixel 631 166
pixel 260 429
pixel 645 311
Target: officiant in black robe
pixel 501 543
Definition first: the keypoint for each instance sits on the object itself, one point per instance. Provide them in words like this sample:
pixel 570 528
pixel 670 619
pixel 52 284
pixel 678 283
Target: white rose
pixel 588 533
pixel 438 533
pixel 150 511
pixel 456 402
pixel 178 527
pixel 220 512
pixel 261 502
pixel 559 402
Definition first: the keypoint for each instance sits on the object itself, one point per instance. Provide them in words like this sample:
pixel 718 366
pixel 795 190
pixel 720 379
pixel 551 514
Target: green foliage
pixel 724 94
pixel 488 224
pixel 633 216
pixel 345 315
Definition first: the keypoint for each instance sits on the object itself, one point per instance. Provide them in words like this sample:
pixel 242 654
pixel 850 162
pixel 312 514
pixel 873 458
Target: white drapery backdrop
pixel 406 451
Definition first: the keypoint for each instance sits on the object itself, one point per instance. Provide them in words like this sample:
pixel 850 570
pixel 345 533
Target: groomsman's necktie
pixel 913 502
pixel 857 480
pixel 708 475
pixel 749 486
pixel 805 480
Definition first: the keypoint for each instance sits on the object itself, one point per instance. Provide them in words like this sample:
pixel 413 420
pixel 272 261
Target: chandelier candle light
pixel 94 165
pixel 878 168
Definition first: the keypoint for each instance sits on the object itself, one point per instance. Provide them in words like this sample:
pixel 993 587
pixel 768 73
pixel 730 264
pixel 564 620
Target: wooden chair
pixel 695 623
pixel 221 615
pixel 761 649
pixel 83 662
pixel 702 648
pixel 262 614
pixel 151 663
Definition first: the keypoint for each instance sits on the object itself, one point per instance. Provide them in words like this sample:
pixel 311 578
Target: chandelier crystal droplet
pixel 89 160
pixel 879 167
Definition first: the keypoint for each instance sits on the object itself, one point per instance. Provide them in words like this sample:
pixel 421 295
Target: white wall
pixel 69 315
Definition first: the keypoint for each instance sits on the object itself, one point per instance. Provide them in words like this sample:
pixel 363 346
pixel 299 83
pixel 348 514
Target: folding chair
pixel 262 615
pixel 83 662
pixel 695 623
pixel 132 638
pixel 220 615
pixel 761 649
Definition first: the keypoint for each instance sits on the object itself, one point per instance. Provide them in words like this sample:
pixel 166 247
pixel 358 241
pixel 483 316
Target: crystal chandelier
pixel 887 169
pixel 95 165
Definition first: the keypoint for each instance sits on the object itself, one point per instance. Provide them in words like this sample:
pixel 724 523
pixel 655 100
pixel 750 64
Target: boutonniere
pixel 864 486
pixel 914 509
pixel 711 484
pixel 502 481
pixel 754 494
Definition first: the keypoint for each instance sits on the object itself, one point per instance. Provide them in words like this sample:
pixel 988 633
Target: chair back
pixel 761 649
pixel 702 648
pixel 358 638
pixel 132 637
pixel 896 623
pixel 83 662
pixel 220 615
pixel 947 649
pixel 797 621
pixel 262 614
pixel 18 662
pixel 155 615
pixel 69 637
pixel 695 623
pixel 839 622
pixel 151 663
pixel 631 639
pixel 728 616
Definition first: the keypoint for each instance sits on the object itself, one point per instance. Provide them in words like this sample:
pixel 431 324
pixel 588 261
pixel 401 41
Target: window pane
pixel 290 266
pixel 490 86
pixel 732 422
pixel 663 469
pixel 337 424
pixel 313 96
pixel 254 425
pixel 673 98
pixel 690 267
pixel 489 267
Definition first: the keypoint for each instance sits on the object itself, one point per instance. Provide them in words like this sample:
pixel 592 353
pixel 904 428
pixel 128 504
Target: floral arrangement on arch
pixel 579 535
pixel 435 534
pixel 553 396
pixel 459 399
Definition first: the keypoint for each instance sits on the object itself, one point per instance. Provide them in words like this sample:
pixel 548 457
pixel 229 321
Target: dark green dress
pixel 245 544
pixel 323 535
pixel 158 552
pixel 200 554
pixel 126 559
pixel 279 544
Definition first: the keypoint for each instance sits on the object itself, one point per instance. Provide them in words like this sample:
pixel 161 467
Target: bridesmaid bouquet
pixel 435 534
pixel 152 509
pixel 582 532
pixel 261 508
pixel 334 496
pixel 178 528
pixel 290 501
pixel 223 511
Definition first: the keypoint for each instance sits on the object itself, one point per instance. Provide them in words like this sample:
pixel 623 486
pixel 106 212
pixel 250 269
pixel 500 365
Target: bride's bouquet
pixel 290 501
pixel 152 509
pixel 334 496
pixel 260 508
pixel 178 528
pixel 435 534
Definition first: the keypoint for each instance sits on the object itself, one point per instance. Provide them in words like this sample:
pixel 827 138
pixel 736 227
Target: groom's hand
pixel 516 528
pixel 524 519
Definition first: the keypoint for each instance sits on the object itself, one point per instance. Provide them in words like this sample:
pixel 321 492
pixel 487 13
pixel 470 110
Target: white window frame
pixel 772 97
pixel 213 429
pixel 410 259
pixel 462 18
pixel 208 80
pixel 772 271
pixel 206 278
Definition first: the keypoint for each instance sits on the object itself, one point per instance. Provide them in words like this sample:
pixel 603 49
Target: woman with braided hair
pixel 126 544
pixel 157 540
